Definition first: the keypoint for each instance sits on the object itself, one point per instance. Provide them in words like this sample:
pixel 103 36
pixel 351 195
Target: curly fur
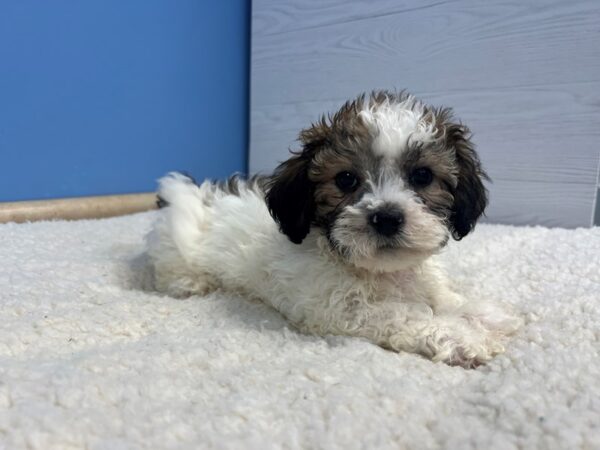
pixel 320 263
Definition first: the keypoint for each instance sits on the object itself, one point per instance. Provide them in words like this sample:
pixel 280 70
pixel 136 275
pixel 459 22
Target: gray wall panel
pixel 525 76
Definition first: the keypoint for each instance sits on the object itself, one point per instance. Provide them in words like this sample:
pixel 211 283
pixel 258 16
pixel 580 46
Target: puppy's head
pixel 386 179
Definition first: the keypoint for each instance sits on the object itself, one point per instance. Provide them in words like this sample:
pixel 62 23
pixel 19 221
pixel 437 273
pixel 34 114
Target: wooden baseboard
pixel 76 208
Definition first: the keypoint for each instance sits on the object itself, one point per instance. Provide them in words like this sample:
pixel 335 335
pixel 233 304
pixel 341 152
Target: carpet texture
pixel 91 358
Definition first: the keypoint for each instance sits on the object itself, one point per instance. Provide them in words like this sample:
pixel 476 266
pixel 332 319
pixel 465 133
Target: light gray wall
pixel 523 75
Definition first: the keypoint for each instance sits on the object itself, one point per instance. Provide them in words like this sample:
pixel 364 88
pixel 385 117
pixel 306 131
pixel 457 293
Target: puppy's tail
pixel 185 215
pixel 166 182
pixel 161 202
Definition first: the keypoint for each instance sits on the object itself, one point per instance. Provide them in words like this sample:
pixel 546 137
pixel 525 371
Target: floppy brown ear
pixel 290 197
pixel 470 195
pixel 290 192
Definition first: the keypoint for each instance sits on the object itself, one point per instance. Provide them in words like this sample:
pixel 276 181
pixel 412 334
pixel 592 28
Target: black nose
pixel 386 223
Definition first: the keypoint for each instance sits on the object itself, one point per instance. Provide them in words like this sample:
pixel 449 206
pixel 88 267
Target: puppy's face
pixel 387 179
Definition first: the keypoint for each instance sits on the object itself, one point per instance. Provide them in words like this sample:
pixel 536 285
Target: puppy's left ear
pixel 470 195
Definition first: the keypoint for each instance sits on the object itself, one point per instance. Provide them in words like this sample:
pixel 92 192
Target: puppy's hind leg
pixel 179 281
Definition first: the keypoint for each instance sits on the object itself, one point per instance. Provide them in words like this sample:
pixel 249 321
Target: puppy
pixel 342 238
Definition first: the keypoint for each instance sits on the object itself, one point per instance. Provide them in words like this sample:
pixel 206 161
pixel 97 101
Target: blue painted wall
pixel 103 97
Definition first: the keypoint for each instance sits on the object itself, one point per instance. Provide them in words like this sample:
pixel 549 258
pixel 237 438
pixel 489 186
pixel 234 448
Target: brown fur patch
pixel 344 142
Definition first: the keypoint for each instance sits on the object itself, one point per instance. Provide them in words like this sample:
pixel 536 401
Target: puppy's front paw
pixel 468 351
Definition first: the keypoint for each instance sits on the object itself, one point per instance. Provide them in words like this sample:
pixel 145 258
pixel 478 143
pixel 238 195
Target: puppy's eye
pixel 421 177
pixel 346 181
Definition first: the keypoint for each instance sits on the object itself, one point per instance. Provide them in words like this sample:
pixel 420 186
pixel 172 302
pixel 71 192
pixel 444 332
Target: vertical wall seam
pixel 596 204
pixel 248 81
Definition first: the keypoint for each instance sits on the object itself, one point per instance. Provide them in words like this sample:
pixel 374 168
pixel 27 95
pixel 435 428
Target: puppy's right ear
pixel 290 197
pixel 290 192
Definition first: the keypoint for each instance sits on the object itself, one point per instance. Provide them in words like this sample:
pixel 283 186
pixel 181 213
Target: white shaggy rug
pixel 89 358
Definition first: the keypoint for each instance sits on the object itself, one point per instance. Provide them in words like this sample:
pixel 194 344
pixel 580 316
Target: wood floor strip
pixel 76 208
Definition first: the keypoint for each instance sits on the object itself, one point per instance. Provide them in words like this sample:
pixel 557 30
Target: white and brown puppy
pixel 359 214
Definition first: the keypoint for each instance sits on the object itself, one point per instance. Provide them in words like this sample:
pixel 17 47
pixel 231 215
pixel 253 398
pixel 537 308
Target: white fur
pixel 397 124
pixel 206 239
pixel 422 236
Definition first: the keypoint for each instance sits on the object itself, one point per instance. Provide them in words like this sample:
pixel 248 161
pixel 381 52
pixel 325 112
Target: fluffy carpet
pixel 91 358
